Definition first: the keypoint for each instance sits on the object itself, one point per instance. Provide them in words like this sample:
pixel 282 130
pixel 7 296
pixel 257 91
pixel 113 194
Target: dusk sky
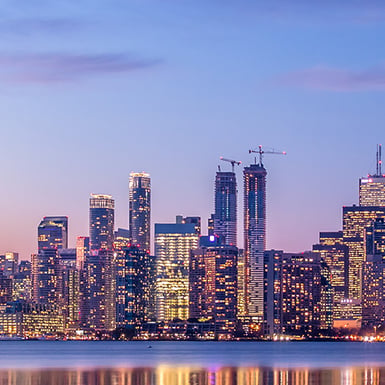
pixel 92 90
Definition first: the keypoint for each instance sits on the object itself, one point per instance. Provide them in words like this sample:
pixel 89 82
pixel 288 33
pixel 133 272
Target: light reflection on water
pixel 166 375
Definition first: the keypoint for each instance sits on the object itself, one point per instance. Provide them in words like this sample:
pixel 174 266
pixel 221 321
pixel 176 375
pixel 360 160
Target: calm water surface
pixel 191 363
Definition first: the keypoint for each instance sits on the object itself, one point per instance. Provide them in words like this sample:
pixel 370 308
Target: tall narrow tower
pixel 254 178
pixel 101 221
pixel 140 209
pixel 372 187
pixel 225 216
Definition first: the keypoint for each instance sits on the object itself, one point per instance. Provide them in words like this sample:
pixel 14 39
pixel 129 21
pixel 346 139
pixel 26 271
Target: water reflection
pixel 189 376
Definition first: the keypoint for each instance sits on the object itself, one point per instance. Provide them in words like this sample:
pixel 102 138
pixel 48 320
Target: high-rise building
pixel 293 285
pixel 53 233
pixel 372 187
pixel 335 254
pixel 355 221
pixel 173 243
pixel 213 286
pixel 69 287
pixel 140 209
pixel 225 216
pixel 373 290
pixel 301 293
pixel 255 240
pixel 101 222
pixel 46 277
pixel 82 248
pixel 97 291
pixel 139 279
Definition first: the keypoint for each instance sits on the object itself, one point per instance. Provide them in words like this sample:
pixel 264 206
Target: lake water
pixel 191 363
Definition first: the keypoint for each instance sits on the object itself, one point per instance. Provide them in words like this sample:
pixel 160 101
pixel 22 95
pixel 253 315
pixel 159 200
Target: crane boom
pixel 233 162
pixel 261 152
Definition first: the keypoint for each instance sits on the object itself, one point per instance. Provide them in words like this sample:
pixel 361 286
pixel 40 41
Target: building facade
pixel 213 286
pixel 225 216
pixel 140 209
pixel 255 237
pixel 102 209
pixel 53 233
pixel 173 243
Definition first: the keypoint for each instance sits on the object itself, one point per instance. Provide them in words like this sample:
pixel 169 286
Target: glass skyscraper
pixel 53 233
pixel 254 232
pixel 101 222
pixel 225 216
pixel 173 244
pixel 140 209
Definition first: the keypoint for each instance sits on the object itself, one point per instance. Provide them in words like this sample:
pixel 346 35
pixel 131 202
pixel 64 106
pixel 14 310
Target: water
pixel 191 363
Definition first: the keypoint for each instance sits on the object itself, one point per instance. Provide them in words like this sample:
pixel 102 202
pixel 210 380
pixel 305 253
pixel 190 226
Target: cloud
pixel 334 79
pixel 39 26
pixel 56 68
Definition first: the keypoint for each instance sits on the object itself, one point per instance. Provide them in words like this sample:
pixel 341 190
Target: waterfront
pixel 195 363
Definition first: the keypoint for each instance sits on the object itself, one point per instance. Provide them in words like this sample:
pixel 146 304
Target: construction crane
pixel 261 152
pixel 233 162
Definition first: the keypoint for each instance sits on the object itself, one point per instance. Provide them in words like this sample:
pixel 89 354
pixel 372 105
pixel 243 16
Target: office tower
pixel 373 290
pixel 335 254
pixel 213 286
pixel 355 220
pixel 46 277
pixel 255 242
pixel 140 209
pixel 97 291
pixel 53 233
pixel 372 187
pixel 101 222
pixel 82 248
pixel 210 225
pixel 69 287
pixel 139 278
pixel 225 216
pixel 173 243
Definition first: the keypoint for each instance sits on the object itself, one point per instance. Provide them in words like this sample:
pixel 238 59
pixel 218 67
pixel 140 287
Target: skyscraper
pixel 293 293
pixel 372 187
pixel 97 291
pixel 101 222
pixel 373 290
pixel 254 231
pixel 140 209
pixel 139 279
pixel 53 233
pixel 213 286
pixel 225 216
pixel 355 221
pixel 173 243
pixel 335 255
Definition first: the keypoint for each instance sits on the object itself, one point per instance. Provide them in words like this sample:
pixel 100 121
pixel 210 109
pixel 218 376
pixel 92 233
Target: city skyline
pixel 99 90
pixel 72 238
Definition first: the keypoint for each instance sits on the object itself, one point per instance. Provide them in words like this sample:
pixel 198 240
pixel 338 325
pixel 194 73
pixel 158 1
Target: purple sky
pixel 91 91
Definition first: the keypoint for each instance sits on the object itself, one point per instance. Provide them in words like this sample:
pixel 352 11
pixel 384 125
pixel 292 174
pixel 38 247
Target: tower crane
pixel 261 152
pixel 233 162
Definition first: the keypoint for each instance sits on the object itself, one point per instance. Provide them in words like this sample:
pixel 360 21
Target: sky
pixel 92 90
